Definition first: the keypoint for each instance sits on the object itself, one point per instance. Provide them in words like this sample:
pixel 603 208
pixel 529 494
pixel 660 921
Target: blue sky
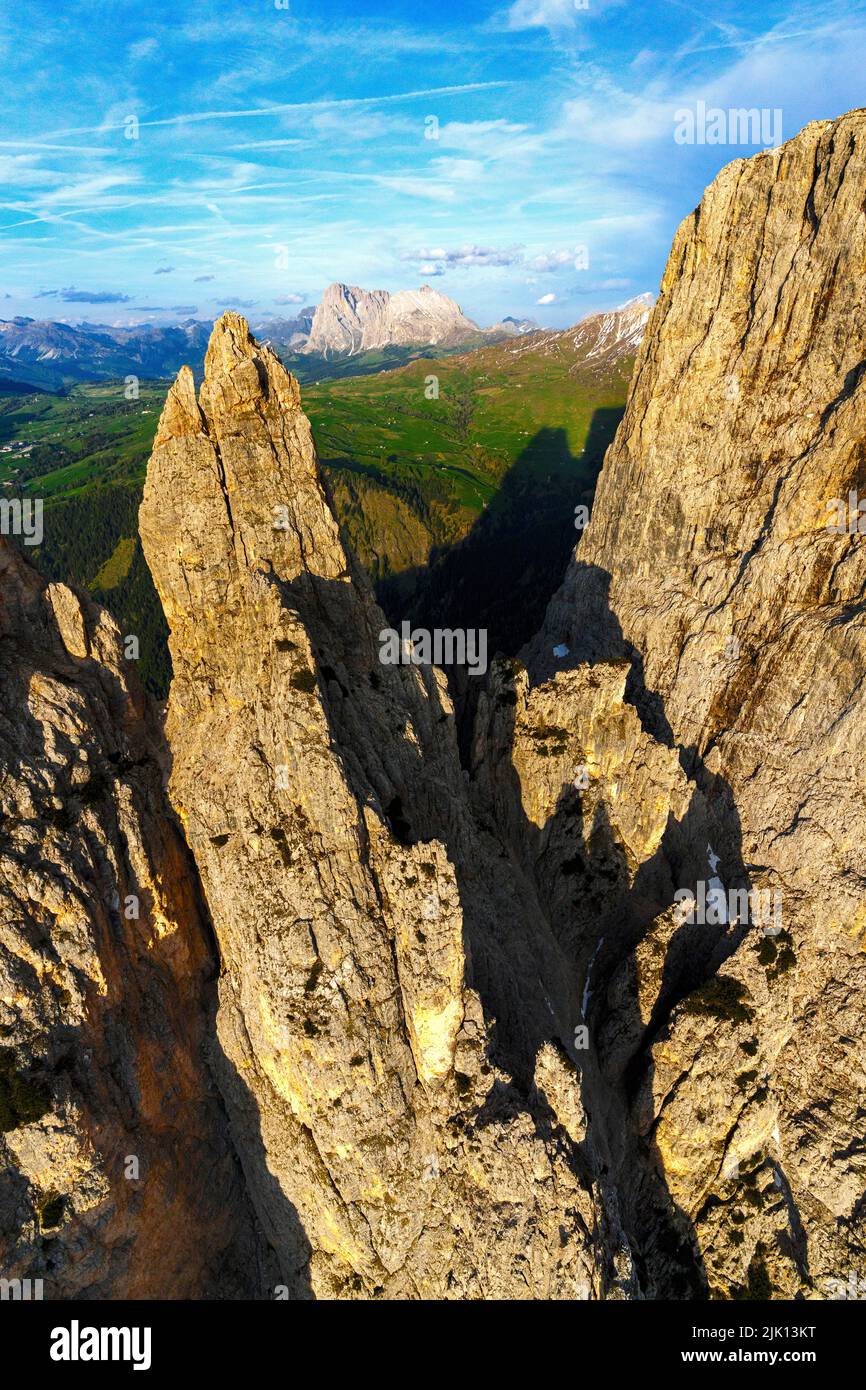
pixel 283 146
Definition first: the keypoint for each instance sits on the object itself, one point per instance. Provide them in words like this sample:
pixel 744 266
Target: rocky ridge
pixel 372 934
pixel 350 320
pixel 602 337
pixel 469 1041
pixel 709 580
pixel 117 1174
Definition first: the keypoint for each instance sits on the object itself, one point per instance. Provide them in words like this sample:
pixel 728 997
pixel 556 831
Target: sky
pixel 160 161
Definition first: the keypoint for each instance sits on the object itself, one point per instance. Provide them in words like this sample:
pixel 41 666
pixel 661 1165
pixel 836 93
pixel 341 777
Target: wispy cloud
pixel 284 108
pixel 463 256
pixel 483 146
pixel 73 296
pixel 143 48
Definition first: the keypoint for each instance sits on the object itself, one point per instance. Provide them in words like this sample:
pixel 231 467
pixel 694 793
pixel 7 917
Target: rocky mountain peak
pixel 619 331
pixel 351 320
pixel 661 729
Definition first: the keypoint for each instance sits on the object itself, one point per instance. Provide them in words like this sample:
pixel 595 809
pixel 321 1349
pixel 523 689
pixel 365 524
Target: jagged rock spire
pixel 359 910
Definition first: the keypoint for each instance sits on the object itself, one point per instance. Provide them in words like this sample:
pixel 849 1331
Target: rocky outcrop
pixel 350 320
pixel 510 327
pixel 503 983
pixel 117 1176
pixel 395 1015
pixel 721 623
pixel 581 1020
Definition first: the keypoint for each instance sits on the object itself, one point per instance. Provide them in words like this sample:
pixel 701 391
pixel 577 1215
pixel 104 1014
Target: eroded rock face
pixel 351 320
pixel 395 1012
pixel 439 997
pixel 469 1040
pixel 117 1176
pixel 709 575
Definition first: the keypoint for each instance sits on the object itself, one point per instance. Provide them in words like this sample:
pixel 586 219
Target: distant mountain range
pixel 517 431
pixel 38 352
pixel 348 324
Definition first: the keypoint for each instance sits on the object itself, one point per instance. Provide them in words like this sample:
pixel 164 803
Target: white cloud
pixel 546 299
pixel 114 119
pixel 417 188
pixel 286 144
pixel 143 48
pixel 463 256
pixel 363 124
pixel 541 14
pixel 462 170
pixel 86 190
pixel 497 139
pixel 555 260
pixel 555 15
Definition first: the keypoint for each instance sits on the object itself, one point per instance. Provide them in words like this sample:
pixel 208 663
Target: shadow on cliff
pixel 277 1216
pixel 503 573
pixel 575 904
pixel 132 1058
pixel 600 908
pixel 568 901
pixel 501 576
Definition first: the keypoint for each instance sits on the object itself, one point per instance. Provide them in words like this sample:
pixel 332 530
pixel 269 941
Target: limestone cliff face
pixel 474 1044
pixel 470 1041
pixel 395 1012
pixel 117 1177
pixel 707 655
